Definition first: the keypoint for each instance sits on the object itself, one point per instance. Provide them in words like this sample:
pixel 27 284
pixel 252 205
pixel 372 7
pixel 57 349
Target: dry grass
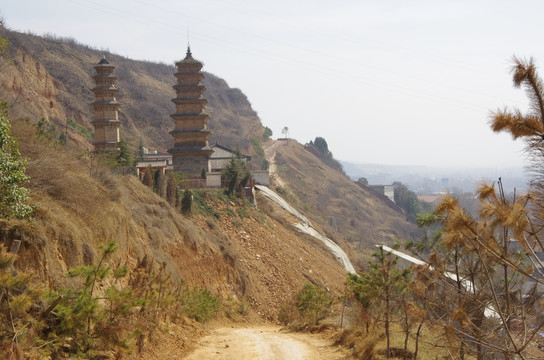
pixel 372 346
pixel 76 212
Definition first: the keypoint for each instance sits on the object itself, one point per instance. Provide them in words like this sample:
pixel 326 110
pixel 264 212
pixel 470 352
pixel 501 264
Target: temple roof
pixel 103 61
pixel 189 57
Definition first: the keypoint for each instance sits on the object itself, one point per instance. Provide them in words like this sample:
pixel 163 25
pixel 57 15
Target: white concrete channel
pixel 306 227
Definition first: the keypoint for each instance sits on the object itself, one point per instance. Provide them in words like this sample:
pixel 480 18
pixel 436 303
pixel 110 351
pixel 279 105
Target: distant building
pixel 444 184
pixel 191 152
pixel 161 161
pixel 221 157
pixel 387 190
pixel 106 119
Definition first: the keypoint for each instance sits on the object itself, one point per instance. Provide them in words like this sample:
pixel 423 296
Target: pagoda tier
pixel 191 151
pixel 106 116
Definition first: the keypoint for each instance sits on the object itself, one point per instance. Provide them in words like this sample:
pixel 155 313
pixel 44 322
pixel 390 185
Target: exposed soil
pixel 264 342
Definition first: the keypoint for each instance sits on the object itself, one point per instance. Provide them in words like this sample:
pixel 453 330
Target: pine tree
pixel 88 319
pixel 380 288
pixel 123 157
pixel 171 190
pixel 186 201
pixel 159 183
pixel 236 172
pixel 148 177
pixel 18 293
pixel 488 265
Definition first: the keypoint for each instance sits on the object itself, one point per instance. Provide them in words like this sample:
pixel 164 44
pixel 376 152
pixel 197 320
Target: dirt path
pixel 270 155
pixel 263 343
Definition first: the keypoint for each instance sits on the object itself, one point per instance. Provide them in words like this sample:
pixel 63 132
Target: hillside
pixel 247 255
pixel 354 216
pixel 232 248
pixel 52 78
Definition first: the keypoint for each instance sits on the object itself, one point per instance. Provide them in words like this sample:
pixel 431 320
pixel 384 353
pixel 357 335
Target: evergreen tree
pixel 171 189
pixel 379 288
pixel 408 201
pixel 267 134
pixel 123 157
pixel 236 172
pixel 187 202
pixel 85 317
pixel 313 303
pixel 487 266
pixel 148 177
pixel 159 183
pixel 141 153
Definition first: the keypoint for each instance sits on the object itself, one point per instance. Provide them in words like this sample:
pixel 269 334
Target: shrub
pixel 313 303
pixel 234 307
pixel 13 197
pixel 199 304
pixel 200 199
pixel 243 212
pixel 287 313
pixel 80 128
pixel 231 212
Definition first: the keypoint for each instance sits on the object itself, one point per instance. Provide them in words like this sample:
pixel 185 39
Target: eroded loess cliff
pixel 238 252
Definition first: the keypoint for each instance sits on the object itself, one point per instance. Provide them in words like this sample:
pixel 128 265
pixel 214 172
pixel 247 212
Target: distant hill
pixel 52 78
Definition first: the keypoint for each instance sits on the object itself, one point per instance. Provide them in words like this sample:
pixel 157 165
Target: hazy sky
pixel 393 82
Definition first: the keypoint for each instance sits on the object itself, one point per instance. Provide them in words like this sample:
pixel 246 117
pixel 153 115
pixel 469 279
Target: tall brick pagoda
pixel 106 119
pixel 191 151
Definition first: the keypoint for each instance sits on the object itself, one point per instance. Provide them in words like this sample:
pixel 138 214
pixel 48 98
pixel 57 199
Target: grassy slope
pixel 363 219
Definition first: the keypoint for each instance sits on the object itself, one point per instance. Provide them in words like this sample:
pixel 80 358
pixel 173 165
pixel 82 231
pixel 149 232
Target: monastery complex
pixel 191 153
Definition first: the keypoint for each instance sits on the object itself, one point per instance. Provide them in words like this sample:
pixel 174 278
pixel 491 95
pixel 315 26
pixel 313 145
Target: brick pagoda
pixel 191 151
pixel 106 120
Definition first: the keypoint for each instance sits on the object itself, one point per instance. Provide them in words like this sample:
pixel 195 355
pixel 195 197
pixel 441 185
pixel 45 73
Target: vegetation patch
pixel 200 199
pixel 80 128
pixel 199 304
pixel 242 212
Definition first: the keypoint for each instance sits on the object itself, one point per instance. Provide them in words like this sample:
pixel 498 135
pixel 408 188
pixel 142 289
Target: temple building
pixel 106 118
pixel 191 152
